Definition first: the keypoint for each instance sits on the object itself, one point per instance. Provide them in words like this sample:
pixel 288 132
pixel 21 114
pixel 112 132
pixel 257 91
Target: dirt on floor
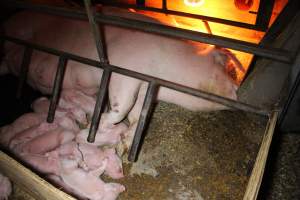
pixel 194 156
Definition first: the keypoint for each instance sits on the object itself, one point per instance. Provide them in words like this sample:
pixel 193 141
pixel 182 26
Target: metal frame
pixel 154 83
pixel 261 24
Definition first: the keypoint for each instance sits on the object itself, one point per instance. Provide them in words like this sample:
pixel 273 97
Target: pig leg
pixel 122 95
pixel 133 118
pixel 48 164
pixel 5 187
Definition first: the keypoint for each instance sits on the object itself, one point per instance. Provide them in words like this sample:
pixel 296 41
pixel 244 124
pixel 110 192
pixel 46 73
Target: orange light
pixel 194 3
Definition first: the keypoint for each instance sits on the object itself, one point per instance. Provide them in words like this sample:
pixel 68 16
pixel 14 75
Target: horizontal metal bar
pixel 102 93
pixel 59 77
pixel 198 93
pixel 24 70
pixel 164 10
pixel 267 52
pixel 143 119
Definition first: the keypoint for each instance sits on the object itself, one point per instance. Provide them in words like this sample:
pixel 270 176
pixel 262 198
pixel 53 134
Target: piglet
pixel 94 157
pixel 5 187
pixel 44 163
pixel 46 142
pixel 88 184
pixel 20 124
pixel 109 136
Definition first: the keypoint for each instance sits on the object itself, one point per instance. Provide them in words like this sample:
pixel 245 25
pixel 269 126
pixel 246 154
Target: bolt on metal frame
pixel 153 82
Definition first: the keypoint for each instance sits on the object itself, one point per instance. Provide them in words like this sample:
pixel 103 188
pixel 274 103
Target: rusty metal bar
pixel 267 52
pixel 24 70
pixel 59 77
pixel 198 93
pixel 144 119
pixel 102 93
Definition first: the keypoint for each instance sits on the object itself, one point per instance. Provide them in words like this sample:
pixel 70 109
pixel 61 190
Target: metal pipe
pixel 98 36
pixel 143 120
pixel 102 93
pixel 24 70
pixel 198 93
pixel 59 77
pixel 267 52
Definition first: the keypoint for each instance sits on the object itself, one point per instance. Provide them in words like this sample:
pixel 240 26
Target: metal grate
pixel 153 82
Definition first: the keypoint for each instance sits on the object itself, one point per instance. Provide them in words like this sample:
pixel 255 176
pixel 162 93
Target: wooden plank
pixel 261 159
pixel 29 181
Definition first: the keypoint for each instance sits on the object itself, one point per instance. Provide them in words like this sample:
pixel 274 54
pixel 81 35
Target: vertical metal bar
pixel 264 14
pixel 100 45
pixel 24 70
pixel 99 104
pixel 98 36
pixel 59 77
pixel 143 120
pixel 164 5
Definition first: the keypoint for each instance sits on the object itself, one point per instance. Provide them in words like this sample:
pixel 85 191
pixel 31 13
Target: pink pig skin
pixel 109 136
pixel 88 184
pixel 46 142
pixel 48 164
pixel 22 123
pixel 5 187
pixel 42 104
pixel 94 157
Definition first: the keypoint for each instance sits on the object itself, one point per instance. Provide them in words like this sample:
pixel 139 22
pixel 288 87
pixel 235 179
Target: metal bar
pixel 182 14
pixel 59 77
pixel 143 120
pixel 102 93
pixel 24 70
pixel 98 36
pixel 164 6
pixel 264 14
pixel 99 105
pixel 285 16
pixel 267 52
pixel 198 93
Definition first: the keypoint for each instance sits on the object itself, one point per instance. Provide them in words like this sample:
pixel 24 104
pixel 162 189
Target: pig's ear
pixel 224 56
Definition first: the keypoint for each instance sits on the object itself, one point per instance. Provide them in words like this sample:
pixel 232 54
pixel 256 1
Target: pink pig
pixel 5 187
pixel 88 184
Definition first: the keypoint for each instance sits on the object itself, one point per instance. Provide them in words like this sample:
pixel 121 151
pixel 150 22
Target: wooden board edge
pixel 29 181
pixel 257 173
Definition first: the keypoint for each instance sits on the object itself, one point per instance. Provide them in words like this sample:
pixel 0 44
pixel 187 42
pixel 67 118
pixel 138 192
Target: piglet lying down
pixel 51 149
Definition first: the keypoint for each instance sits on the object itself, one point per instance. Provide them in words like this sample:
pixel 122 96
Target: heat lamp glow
pixel 194 3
